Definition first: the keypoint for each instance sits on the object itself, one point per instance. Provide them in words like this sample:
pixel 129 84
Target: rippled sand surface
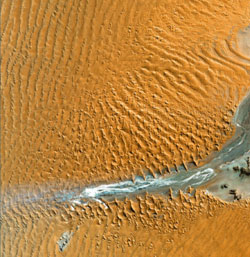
pixel 150 226
pixel 101 90
pixel 95 91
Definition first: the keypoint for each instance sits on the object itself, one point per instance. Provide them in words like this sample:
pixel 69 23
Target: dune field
pixel 99 91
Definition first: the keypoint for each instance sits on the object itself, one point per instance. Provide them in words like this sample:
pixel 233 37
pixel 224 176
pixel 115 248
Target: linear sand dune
pixel 102 90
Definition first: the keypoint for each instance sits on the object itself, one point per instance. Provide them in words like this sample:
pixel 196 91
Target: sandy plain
pixel 104 90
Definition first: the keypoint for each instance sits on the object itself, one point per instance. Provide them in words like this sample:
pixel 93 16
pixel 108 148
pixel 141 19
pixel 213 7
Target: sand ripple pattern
pixel 100 90
pixel 105 90
pixel 146 227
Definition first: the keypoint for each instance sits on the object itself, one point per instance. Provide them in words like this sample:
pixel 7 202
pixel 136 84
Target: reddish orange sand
pixel 147 227
pixel 104 90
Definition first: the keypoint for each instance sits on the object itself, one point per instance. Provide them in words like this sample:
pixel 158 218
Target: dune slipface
pixel 104 91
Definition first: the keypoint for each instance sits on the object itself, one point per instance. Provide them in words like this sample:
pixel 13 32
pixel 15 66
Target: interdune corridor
pixel 97 91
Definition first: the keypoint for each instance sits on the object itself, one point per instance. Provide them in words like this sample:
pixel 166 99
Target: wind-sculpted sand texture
pixel 104 90
pixel 100 91
pixel 149 226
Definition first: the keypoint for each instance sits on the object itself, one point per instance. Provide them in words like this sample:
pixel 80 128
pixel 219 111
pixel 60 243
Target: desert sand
pixel 107 89
pixel 149 226
pixel 97 91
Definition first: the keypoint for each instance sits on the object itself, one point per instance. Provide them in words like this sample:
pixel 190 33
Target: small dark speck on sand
pixel 224 186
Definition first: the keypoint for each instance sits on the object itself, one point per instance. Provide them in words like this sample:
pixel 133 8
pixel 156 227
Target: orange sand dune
pixel 105 90
pixel 151 226
pixel 102 90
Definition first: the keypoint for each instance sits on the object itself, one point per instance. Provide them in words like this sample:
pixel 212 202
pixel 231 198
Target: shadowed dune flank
pixel 102 90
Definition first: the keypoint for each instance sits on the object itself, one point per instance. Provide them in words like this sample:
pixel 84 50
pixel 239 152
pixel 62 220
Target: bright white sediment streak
pixel 230 155
pixel 177 181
